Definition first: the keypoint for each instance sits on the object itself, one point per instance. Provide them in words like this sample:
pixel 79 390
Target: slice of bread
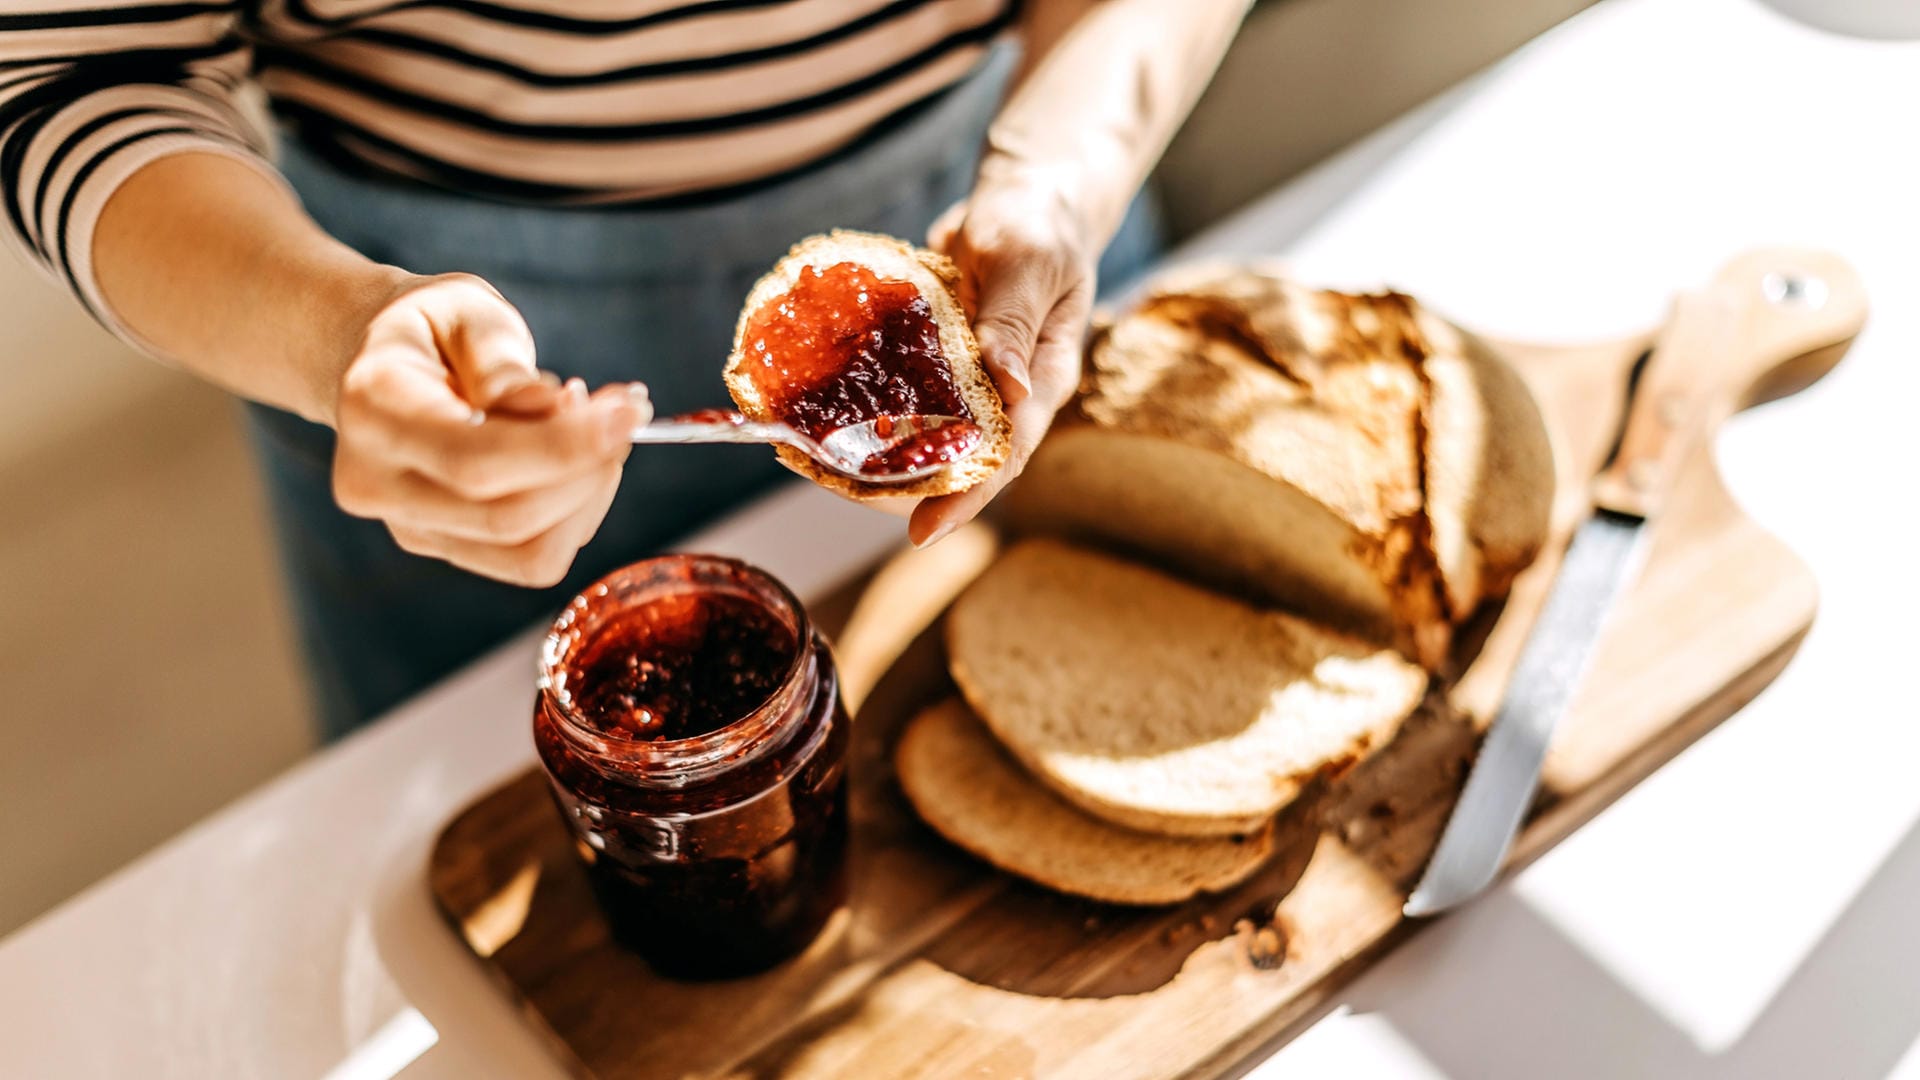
pixel 965 786
pixel 938 281
pixel 1158 705
pixel 1350 456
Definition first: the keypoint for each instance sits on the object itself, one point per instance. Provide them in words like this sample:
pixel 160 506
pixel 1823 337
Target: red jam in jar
pixel 845 346
pixel 691 727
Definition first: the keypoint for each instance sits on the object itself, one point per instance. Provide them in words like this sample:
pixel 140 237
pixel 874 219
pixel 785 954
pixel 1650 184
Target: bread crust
pixel 1413 436
pixel 938 280
pixel 970 791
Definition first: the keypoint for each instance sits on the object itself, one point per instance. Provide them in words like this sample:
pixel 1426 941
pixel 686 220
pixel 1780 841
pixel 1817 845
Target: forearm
pixel 220 270
pixel 1097 108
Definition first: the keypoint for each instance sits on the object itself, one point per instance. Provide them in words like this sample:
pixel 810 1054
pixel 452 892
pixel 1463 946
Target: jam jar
pixel 690 723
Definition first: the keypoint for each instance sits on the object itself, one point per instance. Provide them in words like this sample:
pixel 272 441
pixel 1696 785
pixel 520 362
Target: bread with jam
pixel 851 326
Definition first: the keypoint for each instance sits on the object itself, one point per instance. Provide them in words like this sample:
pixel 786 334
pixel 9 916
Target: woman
pixel 458 180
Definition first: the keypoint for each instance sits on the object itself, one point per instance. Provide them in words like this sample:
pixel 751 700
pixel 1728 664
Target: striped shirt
pixel 552 101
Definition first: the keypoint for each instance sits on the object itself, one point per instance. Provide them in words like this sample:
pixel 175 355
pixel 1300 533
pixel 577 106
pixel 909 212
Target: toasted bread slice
pixel 965 786
pixel 1161 706
pixel 937 280
pixel 1353 457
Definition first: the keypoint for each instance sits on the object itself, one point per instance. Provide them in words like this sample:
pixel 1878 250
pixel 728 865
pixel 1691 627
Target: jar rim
pixel 677 761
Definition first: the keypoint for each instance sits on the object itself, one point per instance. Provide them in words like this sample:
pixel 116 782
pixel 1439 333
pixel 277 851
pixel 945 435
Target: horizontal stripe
pixel 719 92
pixel 631 170
pixel 321 129
pixel 332 74
pixel 349 147
pixel 415 43
pixel 303 12
pixel 107 68
pixel 134 15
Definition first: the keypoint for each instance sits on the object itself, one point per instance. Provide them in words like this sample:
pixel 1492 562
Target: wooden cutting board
pixel 943 967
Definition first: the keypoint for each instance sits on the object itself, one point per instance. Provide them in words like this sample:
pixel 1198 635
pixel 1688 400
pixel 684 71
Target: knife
pixel 1770 322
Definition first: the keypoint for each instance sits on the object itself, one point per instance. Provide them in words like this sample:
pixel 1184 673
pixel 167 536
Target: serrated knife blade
pixel 1604 555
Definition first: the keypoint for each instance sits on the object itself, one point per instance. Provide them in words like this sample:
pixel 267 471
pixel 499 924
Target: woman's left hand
pixel 1027 278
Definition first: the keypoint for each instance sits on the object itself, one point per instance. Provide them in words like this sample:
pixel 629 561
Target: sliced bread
pixel 937 280
pixel 1350 456
pixel 965 786
pixel 1161 706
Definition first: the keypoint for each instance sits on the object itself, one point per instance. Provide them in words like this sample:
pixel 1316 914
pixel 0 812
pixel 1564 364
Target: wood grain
pixel 942 967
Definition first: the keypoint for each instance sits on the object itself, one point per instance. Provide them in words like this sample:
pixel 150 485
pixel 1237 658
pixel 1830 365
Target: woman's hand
pixel 450 435
pixel 1027 278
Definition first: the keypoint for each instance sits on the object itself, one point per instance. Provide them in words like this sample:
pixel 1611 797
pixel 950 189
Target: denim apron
pixel 648 293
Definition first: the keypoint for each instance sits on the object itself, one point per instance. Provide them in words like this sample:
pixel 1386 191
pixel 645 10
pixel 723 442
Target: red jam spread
pixel 681 666
pixel 845 346
pixel 933 447
pixel 706 793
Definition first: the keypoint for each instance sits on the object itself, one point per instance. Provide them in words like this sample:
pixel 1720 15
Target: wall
pixel 1307 77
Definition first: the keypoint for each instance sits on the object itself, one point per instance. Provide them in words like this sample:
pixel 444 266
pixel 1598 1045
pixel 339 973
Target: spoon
pixel 884 450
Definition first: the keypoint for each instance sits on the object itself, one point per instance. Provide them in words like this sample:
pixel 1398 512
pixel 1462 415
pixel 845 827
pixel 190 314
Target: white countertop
pixel 1745 912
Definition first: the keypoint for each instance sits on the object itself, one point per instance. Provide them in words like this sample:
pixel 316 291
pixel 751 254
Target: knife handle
pixel 1771 321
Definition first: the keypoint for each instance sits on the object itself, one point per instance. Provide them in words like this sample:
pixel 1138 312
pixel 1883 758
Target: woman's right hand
pixel 449 433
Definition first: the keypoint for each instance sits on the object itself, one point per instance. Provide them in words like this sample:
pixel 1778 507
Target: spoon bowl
pixel 900 449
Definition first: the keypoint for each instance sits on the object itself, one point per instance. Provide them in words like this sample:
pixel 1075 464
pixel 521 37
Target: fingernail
pixel 936 535
pixel 641 400
pixel 1016 370
pixel 617 426
pixel 527 399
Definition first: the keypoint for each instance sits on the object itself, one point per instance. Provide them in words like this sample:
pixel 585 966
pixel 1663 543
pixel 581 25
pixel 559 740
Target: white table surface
pixel 1749 911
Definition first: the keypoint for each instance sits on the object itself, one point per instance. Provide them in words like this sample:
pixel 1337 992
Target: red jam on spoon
pixel 933 448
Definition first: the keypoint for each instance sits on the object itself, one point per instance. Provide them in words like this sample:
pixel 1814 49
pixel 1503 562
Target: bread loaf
pixel 965 786
pixel 1158 705
pixel 1351 457
pixel 936 279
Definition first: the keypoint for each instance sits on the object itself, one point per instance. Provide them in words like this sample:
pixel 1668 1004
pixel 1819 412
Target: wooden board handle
pixel 1769 323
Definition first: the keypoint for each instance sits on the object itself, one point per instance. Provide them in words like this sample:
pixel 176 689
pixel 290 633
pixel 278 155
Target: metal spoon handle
pixel 717 431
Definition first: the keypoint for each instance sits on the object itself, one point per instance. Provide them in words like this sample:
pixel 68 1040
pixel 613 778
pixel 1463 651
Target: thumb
pixel 940 234
pixel 489 350
pixel 1013 304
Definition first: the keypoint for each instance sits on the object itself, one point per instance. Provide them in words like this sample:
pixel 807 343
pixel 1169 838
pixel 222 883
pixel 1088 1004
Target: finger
pixel 414 501
pixel 486 344
pixel 396 413
pixel 540 562
pixel 1056 371
pixel 1015 297
pixel 940 234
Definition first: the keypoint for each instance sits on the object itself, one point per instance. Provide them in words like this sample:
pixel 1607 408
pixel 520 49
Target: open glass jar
pixel 690 723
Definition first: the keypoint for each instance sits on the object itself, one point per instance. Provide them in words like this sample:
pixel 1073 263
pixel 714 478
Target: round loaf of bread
pixel 1355 458
pixel 937 280
pixel 1158 705
pixel 964 785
